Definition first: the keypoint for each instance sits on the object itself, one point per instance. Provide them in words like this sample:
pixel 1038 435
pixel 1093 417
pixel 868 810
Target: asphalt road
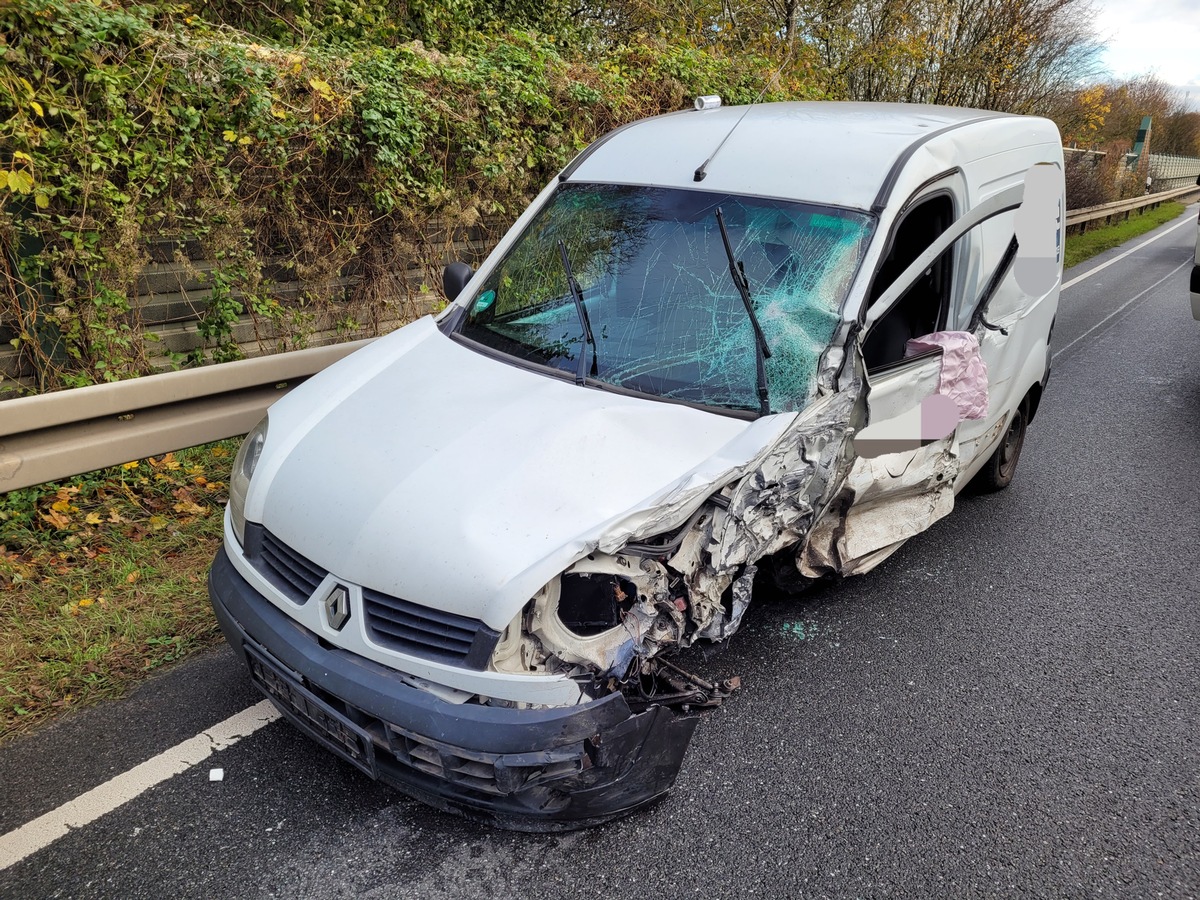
pixel 1007 707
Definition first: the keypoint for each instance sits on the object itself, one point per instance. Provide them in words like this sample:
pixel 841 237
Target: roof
pixel 821 152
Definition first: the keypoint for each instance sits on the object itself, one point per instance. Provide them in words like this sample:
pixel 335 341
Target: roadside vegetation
pixel 102 580
pixel 1080 247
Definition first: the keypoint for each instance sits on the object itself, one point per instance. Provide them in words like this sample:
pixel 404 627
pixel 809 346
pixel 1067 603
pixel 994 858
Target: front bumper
pixel 528 769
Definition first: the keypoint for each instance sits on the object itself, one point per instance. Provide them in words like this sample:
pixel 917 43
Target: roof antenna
pixel 701 103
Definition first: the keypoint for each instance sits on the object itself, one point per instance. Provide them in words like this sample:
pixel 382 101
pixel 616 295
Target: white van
pixel 779 337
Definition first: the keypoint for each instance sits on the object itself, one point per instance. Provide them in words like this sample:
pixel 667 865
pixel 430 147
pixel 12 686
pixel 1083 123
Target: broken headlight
pixel 593 602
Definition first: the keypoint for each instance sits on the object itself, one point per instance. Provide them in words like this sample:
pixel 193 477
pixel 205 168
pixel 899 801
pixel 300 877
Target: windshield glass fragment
pixel 667 318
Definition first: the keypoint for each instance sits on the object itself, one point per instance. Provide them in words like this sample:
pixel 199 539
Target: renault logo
pixel 337 608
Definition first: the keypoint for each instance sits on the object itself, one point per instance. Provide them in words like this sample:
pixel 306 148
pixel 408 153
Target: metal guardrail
pixel 57 435
pixel 1081 217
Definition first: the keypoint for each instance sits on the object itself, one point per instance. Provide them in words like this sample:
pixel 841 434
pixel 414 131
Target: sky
pixel 1160 36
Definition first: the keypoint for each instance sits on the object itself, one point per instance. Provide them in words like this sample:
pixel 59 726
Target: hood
pixel 438 474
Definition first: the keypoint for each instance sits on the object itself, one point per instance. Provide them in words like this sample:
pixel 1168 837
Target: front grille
pixel 391 621
pixel 296 576
pixel 428 633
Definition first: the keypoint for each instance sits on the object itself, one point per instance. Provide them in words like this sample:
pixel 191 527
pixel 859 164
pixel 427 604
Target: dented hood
pixel 437 474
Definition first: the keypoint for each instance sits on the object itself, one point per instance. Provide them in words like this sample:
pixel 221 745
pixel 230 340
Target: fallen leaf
pixel 93 518
pixel 133 576
pixel 59 521
pixel 86 602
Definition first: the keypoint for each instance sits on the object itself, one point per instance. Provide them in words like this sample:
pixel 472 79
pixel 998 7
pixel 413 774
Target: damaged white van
pixel 727 339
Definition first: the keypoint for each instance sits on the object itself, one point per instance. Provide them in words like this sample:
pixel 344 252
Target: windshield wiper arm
pixel 577 296
pixel 761 351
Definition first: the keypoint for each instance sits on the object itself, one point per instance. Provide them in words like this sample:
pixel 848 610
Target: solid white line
pixel 1105 265
pixel 44 830
pixel 1119 310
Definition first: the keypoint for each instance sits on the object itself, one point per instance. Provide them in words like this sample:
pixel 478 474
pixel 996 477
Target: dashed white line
pixel 44 830
pixel 1124 306
pixel 1121 256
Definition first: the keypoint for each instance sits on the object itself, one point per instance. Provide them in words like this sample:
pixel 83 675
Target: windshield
pixel 665 313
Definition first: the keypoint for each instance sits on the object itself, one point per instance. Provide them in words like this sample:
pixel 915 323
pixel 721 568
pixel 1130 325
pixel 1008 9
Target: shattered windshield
pixel 664 311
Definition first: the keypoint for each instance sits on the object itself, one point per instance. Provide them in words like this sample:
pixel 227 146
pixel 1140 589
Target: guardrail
pixel 1081 217
pixel 57 435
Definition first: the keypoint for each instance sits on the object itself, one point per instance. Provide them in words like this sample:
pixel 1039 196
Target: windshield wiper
pixel 577 296
pixel 761 351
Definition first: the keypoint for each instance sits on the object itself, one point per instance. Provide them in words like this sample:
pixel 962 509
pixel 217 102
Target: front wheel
pixel 997 473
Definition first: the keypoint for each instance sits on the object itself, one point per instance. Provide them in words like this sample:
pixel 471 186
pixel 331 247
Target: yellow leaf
pixel 321 86
pixel 20 182
pixel 62 506
pixel 245 139
pixel 133 576
pixel 229 135
pixel 18 154
pixel 130 465
pixel 42 200
pixel 278 113
pixel 86 601
pixel 157 523
pixel 36 107
pixel 93 518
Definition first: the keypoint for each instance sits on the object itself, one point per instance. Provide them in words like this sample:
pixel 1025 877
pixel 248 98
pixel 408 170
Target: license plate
pixel 312 715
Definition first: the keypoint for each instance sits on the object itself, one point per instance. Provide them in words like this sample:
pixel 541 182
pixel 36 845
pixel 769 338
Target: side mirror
pixel 454 278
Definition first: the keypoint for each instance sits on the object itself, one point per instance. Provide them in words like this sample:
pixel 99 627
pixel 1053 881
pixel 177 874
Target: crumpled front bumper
pixel 526 769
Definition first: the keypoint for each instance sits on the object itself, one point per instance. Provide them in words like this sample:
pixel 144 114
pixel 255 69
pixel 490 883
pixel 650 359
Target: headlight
pixel 239 481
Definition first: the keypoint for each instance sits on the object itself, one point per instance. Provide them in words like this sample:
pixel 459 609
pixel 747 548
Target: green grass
pixel 1095 240
pixel 102 580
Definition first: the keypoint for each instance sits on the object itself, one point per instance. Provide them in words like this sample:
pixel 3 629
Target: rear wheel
pixel 997 473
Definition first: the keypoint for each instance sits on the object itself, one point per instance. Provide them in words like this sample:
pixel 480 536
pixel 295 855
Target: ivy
pixel 127 125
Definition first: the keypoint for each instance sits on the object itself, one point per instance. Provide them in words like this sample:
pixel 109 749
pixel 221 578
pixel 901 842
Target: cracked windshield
pixel 655 290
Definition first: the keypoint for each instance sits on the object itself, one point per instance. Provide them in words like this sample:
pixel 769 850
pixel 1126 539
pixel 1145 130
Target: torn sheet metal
pixel 694 560
pixel 883 502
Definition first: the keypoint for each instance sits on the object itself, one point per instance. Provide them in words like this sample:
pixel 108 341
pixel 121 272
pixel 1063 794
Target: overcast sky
pixel 1160 36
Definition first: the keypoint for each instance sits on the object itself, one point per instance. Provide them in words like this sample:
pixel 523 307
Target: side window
pixel 924 308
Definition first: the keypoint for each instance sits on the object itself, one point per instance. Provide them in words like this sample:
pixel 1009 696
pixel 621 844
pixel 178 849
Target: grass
pixel 102 580
pixel 1084 246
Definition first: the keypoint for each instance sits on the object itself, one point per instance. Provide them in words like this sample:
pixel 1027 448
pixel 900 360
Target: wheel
pixel 997 473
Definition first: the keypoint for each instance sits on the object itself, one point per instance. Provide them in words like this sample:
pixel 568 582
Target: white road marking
pixel 1119 257
pixel 1120 309
pixel 44 830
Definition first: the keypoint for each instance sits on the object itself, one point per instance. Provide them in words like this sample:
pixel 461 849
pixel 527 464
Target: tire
pixel 997 472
